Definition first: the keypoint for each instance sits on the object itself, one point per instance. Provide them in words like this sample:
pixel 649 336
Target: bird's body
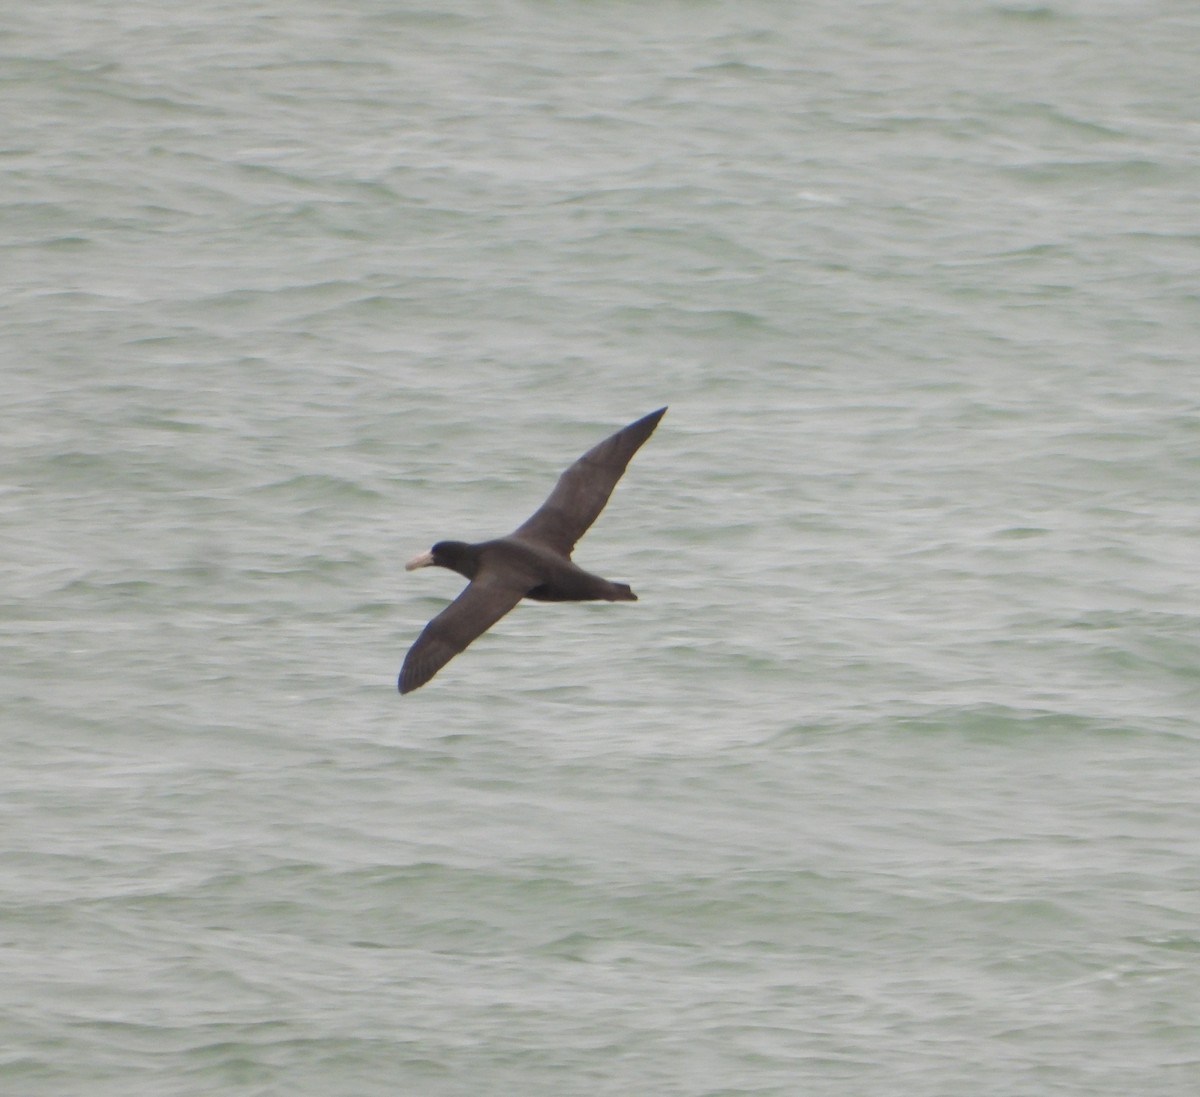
pixel 534 561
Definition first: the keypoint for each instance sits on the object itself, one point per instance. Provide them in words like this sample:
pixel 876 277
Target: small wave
pixel 317 487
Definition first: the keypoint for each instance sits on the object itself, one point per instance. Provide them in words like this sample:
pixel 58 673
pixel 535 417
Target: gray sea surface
pixel 887 785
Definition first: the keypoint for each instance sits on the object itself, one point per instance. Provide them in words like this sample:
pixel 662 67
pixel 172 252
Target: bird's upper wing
pixel 581 491
pixel 485 600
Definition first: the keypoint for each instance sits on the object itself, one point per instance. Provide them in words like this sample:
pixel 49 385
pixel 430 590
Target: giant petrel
pixel 534 561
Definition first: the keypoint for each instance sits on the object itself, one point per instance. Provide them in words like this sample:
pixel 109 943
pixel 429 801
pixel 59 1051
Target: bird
pixel 534 561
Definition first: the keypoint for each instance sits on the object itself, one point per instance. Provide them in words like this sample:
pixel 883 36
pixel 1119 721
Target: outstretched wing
pixel 581 491
pixel 484 601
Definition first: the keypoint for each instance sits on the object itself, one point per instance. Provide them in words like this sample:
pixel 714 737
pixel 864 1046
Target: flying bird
pixel 534 561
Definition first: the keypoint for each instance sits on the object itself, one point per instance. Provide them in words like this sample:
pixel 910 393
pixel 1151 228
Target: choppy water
pixel 887 785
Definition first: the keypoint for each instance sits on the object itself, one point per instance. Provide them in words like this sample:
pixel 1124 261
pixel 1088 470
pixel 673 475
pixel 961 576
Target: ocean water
pixel 886 785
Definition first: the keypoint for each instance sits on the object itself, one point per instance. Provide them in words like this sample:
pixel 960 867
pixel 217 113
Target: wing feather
pixel 582 491
pixel 481 604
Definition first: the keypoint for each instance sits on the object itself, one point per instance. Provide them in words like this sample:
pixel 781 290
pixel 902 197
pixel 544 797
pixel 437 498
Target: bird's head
pixel 455 555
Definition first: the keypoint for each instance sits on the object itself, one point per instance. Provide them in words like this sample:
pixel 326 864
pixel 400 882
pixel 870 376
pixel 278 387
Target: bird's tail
pixel 621 592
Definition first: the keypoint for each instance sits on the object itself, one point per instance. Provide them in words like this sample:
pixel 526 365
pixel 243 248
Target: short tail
pixel 621 592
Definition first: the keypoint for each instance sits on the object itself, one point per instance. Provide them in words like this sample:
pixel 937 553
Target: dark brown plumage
pixel 534 561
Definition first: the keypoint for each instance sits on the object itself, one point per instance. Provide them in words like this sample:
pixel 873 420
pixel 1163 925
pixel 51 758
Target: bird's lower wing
pixel 581 491
pixel 484 601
